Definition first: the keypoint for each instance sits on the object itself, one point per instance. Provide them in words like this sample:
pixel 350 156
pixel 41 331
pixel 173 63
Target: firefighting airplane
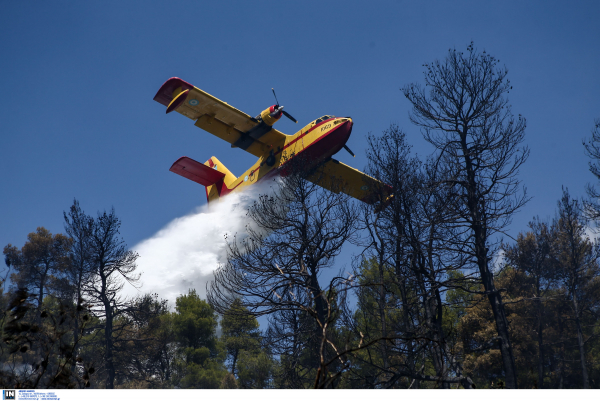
pixel 316 142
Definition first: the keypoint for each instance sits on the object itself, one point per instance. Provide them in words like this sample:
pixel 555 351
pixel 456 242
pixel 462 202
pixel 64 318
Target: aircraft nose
pixel 345 123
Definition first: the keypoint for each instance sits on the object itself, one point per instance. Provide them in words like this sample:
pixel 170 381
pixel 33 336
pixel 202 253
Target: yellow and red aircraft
pixel 316 143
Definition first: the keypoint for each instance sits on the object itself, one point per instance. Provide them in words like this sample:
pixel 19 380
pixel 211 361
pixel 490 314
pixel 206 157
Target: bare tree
pixel 465 115
pixel 79 271
pixel 113 265
pixel 298 231
pixel 415 238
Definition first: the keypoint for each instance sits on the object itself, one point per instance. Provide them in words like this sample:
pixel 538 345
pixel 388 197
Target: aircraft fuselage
pixel 316 143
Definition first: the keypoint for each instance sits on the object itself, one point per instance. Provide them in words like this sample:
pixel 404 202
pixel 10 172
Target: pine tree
pixel 201 354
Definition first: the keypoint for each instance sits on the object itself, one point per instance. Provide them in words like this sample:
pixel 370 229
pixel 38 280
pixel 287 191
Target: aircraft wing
pixel 217 117
pixel 339 177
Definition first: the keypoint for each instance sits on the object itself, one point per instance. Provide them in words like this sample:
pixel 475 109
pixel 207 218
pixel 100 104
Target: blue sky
pixel 77 119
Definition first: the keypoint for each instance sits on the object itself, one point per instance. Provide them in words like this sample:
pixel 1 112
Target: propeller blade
pixel 285 113
pixel 348 149
pixel 275 96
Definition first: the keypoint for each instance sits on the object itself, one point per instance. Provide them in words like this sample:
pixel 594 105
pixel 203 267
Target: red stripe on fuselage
pixel 329 144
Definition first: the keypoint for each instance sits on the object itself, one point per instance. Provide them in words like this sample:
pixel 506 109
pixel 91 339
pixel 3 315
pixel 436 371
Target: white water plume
pixel 184 254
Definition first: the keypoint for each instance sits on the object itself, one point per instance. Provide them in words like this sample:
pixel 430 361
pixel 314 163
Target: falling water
pixel 184 254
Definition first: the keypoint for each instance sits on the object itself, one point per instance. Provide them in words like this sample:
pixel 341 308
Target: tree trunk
pixel 77 325
pixel 434 313
pixel 562 355
pixel 580 342
pixel 433 320
pixel 508 359
pixel 478 225
pixel 495 299
pixel 439 338
pixel 321 303
pixel 408 329
pixel 540 346
pixel 75 340
pixel 108 327
pixel 109 364
pixel 41 294
pixel 382 302
pixel 235 357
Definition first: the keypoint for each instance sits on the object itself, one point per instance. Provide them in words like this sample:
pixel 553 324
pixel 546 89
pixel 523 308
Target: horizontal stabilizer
pixel 197 172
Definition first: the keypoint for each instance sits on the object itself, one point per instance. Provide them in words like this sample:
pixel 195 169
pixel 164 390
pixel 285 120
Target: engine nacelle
pixel 271 115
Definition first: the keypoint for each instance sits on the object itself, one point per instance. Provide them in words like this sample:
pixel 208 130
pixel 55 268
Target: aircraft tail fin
pixel 216 191
pixel 212 174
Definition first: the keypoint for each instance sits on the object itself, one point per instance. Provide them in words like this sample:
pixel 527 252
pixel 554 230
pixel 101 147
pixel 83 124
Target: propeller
pixel 349 151
pixel 285 113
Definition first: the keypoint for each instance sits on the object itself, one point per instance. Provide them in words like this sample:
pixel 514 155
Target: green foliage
pixel 207 375
pixel 255 369
pixel 39 261
pixel 201 354
pixel 248 359
pixel 195 322
pixel 240 332
pixel 370 302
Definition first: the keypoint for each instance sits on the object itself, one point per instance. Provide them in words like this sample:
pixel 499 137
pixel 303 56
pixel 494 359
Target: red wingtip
pixel 383 204
pixel 164 95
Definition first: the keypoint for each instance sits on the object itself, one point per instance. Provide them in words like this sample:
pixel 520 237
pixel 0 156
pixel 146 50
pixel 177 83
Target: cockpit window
pixel 321 119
